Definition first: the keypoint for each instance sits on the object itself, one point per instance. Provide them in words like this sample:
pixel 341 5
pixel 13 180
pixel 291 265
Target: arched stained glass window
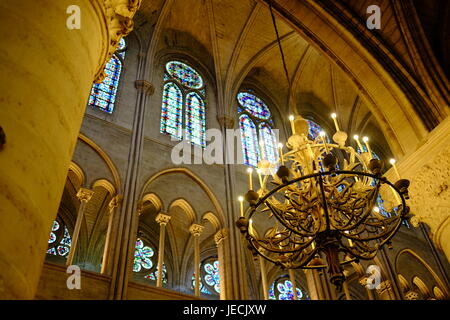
pixel 143 262
pixel 103 95
pixel 172 111
pixel 59 241
pixel 211 277
pixel 184 88
pixel 195 119
pixel 268 142
pixel 257 136
pixel 282 289
pixel 249 138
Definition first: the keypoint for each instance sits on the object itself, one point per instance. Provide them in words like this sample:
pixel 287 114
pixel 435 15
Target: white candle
pixel 366 141
pixel 392 161
pixel 280 148
pixel 258 171
pixel 250 181
pixel 291 119
pixel 323 135
pixel 241 205
pixel 356 137
pixel 334 116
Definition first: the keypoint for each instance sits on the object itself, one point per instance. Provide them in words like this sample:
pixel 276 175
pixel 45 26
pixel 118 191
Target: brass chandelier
pixel 320 198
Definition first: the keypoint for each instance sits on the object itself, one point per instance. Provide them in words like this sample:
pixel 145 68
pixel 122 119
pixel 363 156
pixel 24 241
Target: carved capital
pixel 144 86
pixel 384 286
pixel 84 194
pixel 119 22
pixel 411 295
pixel 196 229
pixel 363 281
pixel 162 219
pixel 220 236
pixel 115 202
pixel 226 121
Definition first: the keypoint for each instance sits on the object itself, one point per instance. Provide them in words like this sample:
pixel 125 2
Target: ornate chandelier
pixel 320 198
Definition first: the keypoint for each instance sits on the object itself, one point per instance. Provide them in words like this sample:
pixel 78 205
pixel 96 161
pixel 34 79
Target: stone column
pixel 84 195
pixel 345 286
pixel 219 238
pixel 162 220
pixel 50 67
pixel 385 291
pixel 294 285
pixel 363 282
pixel 262 265
pixel 196 230
pixel 128 220
pixel 112 206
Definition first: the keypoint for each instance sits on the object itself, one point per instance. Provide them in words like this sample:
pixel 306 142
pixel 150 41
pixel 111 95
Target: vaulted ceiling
pixel 235 41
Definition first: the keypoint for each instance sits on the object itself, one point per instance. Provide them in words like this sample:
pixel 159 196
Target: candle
pixel 392 161
pixel 250 181
pixel 250 227
pixel 334 116
pixel 280 148
pixel 322 135
pixel 291 119
pixel 366 141
pixel 258 171
pixel 241 205
pixel 263 150
pixel 356 137
pixel 350 242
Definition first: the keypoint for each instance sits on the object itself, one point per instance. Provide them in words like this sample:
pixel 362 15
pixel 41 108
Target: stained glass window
pixel 257 136
pixel 212 275
pixel 103 95
pixel 249 138
pixel 268 142
pixel 254 105
pixel 184 88
pixel 59 241
pixel 195 119
pixel 313 130
pixel 282 289
pixel 143 262
pixel 172 111
pixel 202 287
pixel 186 75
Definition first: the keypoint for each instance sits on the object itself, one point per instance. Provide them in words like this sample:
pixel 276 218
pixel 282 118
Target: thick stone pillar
pixel 47 71
pixel 294 285
pixel 196 230
pixel 84 195
pixel 112 209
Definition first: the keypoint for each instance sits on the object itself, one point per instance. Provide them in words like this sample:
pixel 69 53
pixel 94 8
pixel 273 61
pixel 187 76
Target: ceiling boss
pixel 319 200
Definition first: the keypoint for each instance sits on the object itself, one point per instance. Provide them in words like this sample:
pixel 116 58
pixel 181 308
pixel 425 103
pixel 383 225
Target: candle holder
pixel 322 202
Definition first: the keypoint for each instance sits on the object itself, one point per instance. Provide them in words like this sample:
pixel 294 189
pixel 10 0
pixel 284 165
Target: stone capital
pixel 146 87
pixel 196 229
pixel 162 219
pixel 412 295
pixel 115 202
pixel 363 281
pixel 226 121
pixel 384 286
pixel 220 236
pixel 84 194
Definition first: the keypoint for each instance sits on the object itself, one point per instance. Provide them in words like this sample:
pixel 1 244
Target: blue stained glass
pixel 103 95
pixel 171 112
pixel 313 130
pixel 254 105
pixel 186 75
pixel 60 244
pixel 154 275
pixel 282 289
pixel 374 155
pixel 268 143
pixel 142 255
pixel 202 287
pixel 249 139
pixel 212 277
pixel 195 120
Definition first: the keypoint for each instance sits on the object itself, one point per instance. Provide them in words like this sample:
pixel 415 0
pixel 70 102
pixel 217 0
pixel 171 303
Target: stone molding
pixel 196 229
pixel 162 219
pixel 84 194
pixel 220 236
pixel 144 86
